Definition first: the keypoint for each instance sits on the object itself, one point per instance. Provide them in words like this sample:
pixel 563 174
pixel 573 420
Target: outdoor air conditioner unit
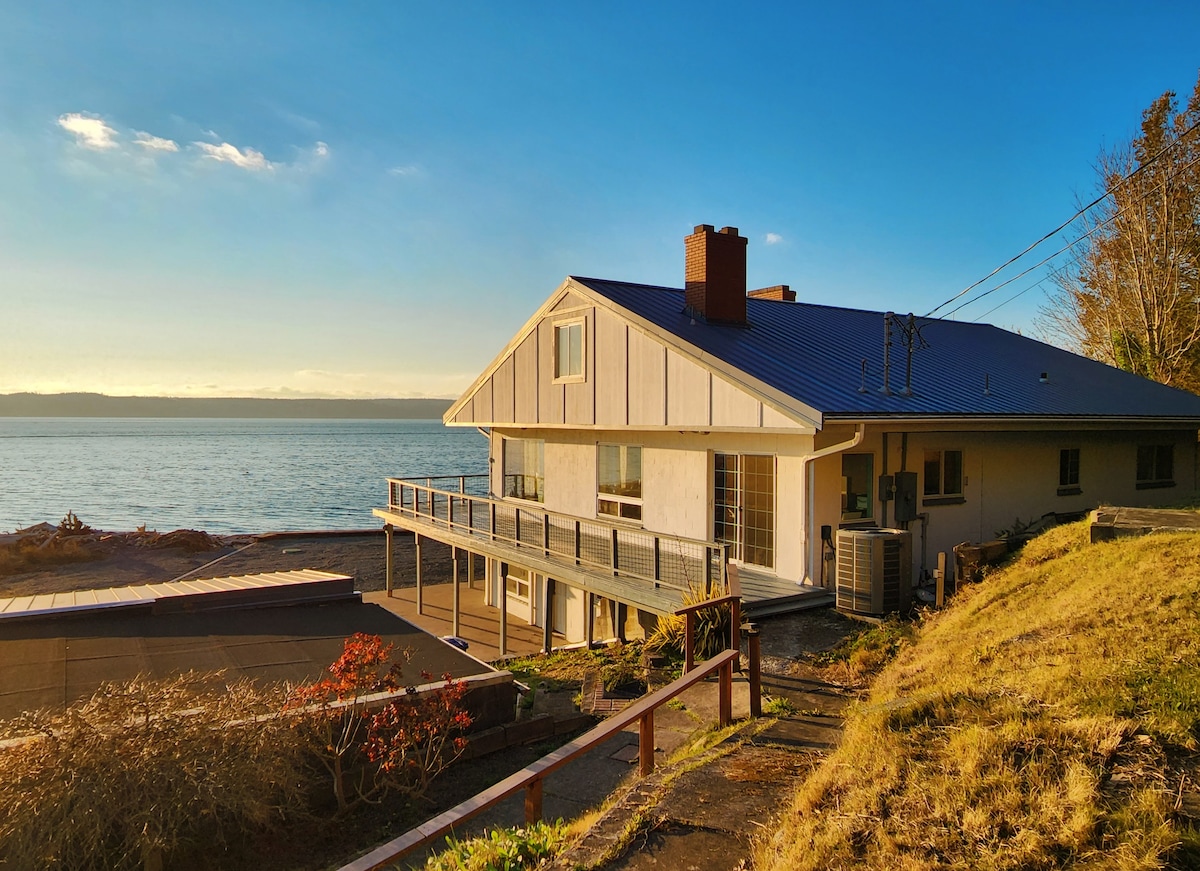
pixel 874 571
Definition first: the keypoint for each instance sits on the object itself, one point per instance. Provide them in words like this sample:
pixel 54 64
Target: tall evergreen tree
pixel 1131 295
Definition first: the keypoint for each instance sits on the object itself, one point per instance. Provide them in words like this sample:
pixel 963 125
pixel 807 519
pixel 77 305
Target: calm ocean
pixel 222 476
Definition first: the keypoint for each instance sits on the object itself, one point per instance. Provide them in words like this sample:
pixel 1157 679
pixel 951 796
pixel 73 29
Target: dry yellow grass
pixel 989 743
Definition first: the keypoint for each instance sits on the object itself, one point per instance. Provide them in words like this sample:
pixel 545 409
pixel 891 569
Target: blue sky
pixel 369 199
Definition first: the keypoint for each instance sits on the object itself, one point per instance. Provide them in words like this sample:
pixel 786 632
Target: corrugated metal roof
pixel 814 354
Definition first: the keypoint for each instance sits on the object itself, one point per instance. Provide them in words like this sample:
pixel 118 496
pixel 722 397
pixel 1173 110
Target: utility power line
pixel 1066 223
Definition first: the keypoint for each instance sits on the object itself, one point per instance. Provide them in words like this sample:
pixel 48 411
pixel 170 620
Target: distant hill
pixel 99 405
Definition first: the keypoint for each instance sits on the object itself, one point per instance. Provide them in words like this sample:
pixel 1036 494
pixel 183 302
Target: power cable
pixel 1070 220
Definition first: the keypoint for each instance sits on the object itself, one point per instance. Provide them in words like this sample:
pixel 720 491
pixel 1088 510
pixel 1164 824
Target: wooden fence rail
pixel 531 777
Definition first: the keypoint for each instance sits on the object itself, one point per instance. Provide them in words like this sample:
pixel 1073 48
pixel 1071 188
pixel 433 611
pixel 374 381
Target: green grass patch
pixel 502 849
pixel 618 665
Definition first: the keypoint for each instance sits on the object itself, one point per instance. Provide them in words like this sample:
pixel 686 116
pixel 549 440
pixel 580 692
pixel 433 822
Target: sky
pixel 352 199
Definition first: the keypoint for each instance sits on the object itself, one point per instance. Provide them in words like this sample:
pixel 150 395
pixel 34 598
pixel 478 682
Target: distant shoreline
pixel 99 405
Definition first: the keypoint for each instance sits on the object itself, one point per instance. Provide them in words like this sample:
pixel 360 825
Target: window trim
pixel 504 474
pixel 1068 484
pixel 620 499
pixel 567 324
pixel 517 581
pixel 1155 483
pixel 941 497
pixel 872 502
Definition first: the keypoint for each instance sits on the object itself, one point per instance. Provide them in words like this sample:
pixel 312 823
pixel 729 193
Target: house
pixel 636 432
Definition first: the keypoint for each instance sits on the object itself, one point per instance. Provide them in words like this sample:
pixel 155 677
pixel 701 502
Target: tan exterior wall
pixel 1008 476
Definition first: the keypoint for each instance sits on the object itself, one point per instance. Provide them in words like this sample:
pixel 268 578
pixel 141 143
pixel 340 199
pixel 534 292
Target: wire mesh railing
pixel 461 503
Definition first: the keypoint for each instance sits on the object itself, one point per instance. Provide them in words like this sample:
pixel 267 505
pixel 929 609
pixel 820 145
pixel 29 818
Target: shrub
pixel 711 628
pixel 371 746
pixel 501 849
pixel 141 770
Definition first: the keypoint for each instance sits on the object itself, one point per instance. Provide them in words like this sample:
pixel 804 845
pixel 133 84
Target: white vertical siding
pixel 647 380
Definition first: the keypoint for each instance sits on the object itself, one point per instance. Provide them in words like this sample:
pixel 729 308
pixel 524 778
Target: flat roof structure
pixel 266 628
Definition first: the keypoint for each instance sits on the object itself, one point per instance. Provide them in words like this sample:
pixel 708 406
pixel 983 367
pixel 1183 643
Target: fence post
pixel 726 700
pixel 646 743
pixel 616 563
pixel 546 533
pixel 754 648
pixel 578 542
pixel 517 524
pixel 940 597
pixel 492 520
pixel 657 559
pixel 689 641
pixel 533 802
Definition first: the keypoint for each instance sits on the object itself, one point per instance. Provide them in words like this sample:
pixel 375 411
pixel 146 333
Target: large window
pixel 857 486
pixel 943 473
pixel 1155 466
pixel 1068 472
pixel 619 481
pixel 568 351
pixel 744 506
pixel 525 469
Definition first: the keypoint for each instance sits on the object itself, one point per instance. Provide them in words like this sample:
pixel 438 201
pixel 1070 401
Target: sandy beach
pixel 120 562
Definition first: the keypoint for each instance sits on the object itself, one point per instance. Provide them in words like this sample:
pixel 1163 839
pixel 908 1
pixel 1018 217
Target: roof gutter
pixel 811 501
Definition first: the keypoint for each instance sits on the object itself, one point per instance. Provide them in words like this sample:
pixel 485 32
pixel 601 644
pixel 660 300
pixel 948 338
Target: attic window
pixel 568 351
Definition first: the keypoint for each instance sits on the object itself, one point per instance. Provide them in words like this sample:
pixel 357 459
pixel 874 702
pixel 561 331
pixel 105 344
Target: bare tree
pixel 1131 295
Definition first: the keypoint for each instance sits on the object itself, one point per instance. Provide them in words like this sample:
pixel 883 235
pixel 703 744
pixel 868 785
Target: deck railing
pixel 680 564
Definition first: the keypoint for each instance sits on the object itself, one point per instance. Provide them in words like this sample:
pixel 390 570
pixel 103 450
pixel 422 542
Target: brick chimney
pixel 715 274
pixel 779 292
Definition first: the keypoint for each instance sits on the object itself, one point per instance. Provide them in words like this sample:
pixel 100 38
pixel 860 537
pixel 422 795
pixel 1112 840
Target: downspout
pixel 809 478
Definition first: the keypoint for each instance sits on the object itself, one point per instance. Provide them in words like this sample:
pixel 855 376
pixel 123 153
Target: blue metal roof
pixel 814 354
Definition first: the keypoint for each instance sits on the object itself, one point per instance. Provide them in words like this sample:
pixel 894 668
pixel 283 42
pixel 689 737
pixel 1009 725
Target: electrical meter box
pixel 904 507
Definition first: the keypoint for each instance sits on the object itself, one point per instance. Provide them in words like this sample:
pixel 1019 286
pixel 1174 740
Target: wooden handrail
pixel 531 776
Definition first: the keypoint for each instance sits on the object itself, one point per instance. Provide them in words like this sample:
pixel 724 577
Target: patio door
pixel 744 506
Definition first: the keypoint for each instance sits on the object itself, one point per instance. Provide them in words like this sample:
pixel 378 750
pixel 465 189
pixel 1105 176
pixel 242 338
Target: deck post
pixel 578 541
pixel 646 743
pixel 502 592
pixel 546 534
pixel 689 641
pixel 492 520
pixel 533 802
pixel 754 648
pixel 726 694
pixel 621 614
pixel 548 617
pixel 420 591
pixel 389 536
pixel 657 560
pixel 615 561
pixel 454 580
pixel 589 602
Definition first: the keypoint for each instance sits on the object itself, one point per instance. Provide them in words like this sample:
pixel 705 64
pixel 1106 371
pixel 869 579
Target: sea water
pixel 223 476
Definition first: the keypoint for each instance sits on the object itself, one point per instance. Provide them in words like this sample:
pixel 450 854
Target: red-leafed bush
pixel 371 732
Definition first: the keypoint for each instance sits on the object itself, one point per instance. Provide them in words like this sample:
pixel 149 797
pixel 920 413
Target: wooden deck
pixel 479 623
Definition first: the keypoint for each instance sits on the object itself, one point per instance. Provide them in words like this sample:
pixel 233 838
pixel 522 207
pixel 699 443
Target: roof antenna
pixel 863 388
pixel 913 340
pixel 886 390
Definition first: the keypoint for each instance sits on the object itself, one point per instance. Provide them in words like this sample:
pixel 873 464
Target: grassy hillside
pixel 1048 719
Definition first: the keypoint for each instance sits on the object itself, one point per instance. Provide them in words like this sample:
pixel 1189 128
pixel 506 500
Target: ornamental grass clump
pixel 143 770
pixel 1035 723
pixel 711 629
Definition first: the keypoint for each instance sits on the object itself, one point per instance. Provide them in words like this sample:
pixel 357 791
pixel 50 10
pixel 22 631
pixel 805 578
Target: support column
pixel 589 620
pixel 621 610
pixel 420 590
pixel 454 574
pixel 389 537
pixel 548 617
pixel 502 592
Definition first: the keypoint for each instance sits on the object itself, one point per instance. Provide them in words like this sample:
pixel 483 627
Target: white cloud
pixel 155 143
pixel 773 238
pixel 226 153
pixel 320 150
pixel 404 170
pixel 89 132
